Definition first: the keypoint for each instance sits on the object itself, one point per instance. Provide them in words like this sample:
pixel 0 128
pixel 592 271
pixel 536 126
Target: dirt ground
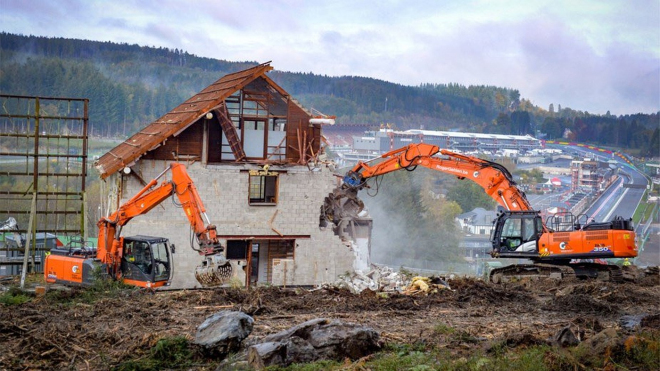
pixel 53 332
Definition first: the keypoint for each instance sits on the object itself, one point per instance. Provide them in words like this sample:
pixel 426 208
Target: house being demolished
pixel 256 157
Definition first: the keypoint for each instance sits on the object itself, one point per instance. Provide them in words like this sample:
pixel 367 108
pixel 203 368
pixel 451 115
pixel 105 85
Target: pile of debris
pixel 385 279
pixel 377 279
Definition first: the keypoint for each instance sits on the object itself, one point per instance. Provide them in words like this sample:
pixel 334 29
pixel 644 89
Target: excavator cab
pixel 147 261
pixel 515 234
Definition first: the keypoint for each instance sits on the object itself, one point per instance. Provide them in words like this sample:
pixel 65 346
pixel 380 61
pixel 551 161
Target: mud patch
pixel 651 321
pixel 581 303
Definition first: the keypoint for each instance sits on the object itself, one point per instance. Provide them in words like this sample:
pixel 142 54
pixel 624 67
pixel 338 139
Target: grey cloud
pixel 542 55
pixel 168 34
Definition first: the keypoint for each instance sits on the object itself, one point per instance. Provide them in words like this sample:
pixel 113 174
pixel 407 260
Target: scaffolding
pixel 43 166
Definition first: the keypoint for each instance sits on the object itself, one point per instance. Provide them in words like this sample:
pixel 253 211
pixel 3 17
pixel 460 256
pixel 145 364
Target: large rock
pixel 603 342
pixel 566 338
pixel 314 340
pixel 223 332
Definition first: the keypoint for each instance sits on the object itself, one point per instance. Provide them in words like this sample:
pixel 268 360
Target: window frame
pixel 261 188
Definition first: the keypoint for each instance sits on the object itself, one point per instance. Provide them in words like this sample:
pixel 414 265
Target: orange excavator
pixel 143 261
pixel 563 247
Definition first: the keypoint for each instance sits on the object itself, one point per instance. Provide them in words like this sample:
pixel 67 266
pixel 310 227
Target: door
pixel 254 264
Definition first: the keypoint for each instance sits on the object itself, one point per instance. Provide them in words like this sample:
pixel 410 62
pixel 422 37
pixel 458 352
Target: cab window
pixel 512 233
pixel 162 261
pixel 139 254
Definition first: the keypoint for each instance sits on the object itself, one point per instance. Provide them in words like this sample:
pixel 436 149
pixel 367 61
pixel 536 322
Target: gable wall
pixel 187 144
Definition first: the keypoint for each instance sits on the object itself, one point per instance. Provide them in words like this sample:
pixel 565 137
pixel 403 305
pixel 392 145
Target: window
pixel 139 253
pixel 528 229
pixel 162 261
pixel 511 228
pixel 511 237
pixel 263 189
pixel 237 249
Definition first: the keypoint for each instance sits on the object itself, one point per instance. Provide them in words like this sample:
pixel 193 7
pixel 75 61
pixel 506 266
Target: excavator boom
pixel 494 178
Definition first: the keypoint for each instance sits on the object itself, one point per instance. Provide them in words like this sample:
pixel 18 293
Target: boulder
pixel 223 332
pixel 603 342
pixel 314 340
pixel 566 338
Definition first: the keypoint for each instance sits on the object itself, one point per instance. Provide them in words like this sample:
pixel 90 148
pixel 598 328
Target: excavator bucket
pixel 214 271
pixel 342 204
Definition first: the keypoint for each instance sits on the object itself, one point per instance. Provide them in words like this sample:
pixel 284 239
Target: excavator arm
pixel 181 185
pixel 193 207
pixel 494 178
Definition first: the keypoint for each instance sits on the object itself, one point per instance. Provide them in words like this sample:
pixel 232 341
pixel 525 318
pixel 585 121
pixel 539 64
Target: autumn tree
pixel 469 195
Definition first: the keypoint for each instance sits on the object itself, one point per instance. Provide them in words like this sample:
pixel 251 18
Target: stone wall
pixel 224 190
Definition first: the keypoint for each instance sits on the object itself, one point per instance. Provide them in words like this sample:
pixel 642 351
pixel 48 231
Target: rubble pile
pixel 314 340
pixel 377 279
pixel 384 279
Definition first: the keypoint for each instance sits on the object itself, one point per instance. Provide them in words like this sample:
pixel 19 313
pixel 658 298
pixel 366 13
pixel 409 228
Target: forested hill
pixel 129 86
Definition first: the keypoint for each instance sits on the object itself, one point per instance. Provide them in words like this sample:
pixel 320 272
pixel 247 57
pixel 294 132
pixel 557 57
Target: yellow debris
pixel 424 285
pixel 421 285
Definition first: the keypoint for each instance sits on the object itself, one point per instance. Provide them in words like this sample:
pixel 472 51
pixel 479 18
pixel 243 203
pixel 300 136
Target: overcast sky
pixel 590 55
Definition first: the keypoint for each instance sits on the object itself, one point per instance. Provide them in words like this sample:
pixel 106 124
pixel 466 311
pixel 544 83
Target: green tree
pixel 521 123
pixel 440 220
pixel 469 195
pixel 502 124
pixel 654 144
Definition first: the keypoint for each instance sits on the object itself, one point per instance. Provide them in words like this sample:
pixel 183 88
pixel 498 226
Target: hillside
pixel 131 85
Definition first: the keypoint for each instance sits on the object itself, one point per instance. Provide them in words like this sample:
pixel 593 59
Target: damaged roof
pixel 178 119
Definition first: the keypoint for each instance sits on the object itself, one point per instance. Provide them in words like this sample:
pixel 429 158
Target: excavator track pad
pixel 214 271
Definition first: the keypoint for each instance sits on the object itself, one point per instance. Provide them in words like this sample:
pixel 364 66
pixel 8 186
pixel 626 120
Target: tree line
pixel 130 86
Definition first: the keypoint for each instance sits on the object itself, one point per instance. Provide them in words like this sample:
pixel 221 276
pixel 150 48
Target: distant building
pixel 655 178
pixel 478 221
pixel 386 140
pixel 591 176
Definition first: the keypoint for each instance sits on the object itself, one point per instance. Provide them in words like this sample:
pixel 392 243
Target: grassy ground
pixel 635 352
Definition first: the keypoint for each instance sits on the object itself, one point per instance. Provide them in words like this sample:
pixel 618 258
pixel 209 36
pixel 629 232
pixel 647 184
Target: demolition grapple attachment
pixel 215 270
pixel 342 204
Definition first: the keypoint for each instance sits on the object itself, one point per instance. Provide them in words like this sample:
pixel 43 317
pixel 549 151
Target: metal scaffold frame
pixel 43 166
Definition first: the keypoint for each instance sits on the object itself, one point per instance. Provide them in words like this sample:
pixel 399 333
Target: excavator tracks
pixel 601 272
pixel 594 271
pixel 518 272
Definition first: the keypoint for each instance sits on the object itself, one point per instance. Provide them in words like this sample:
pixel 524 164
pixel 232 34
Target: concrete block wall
pixel 223 188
